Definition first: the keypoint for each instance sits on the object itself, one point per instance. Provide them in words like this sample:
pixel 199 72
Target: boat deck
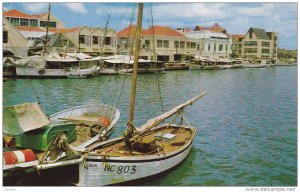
pixel 149 144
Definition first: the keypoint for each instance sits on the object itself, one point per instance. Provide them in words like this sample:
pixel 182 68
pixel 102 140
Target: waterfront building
pixel 160 42
pixel 169 44
pixel 92 40
pixel 13 42
pixel 259 44
pixel 19 18
pixel 215 28
pixel 126 40
pixel 211 44
pixel 33 27
pixel 237 45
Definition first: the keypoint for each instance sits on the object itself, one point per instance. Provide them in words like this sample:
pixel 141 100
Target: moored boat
pixel 255 64
pixel 36 142
pixel 141 152
pixel 176 66
pixel 55 65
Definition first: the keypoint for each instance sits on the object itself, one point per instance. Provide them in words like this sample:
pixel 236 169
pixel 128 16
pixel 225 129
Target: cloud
pixel 263 10
pixel 76 7
pixel 190 10
pixel 35 7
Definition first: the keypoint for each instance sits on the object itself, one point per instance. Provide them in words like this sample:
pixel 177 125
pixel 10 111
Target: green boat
pixel 33 141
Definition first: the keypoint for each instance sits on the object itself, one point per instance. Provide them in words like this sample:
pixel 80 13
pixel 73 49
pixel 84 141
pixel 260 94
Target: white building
pixel 211 44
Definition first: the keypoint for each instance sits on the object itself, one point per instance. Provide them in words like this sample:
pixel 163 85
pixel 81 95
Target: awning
pixel 18 119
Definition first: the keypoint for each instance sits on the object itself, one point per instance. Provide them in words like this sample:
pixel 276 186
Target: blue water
pixel 246 124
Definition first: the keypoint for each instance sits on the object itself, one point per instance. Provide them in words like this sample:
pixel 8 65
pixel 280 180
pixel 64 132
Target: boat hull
pixel 195 67
pixel 114 72
pixel 37 72
pixel 101 170
pixel 254 65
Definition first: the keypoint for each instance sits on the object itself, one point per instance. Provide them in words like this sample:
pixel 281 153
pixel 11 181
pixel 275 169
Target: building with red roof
pixel 215 28
pixel 127 32
pixel 19 18
pixel 169 44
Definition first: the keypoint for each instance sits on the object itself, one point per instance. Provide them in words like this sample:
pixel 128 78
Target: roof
pixel 215 28
pixel 187 29
pixel 156 30
pixel 259 33
pixel 127 32
pixel 26 28
pixel 67 30
pixel 42 15
pixel 237 37
pixel 162 31
pixel 205 34
pixel 17 13
pixel 54 30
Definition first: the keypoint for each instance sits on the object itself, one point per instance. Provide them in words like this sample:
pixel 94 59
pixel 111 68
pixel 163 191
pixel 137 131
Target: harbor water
pixel 246 124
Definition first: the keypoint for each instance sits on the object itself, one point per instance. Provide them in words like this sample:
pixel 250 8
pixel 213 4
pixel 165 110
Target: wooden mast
pixel 135 67
pixel 47 28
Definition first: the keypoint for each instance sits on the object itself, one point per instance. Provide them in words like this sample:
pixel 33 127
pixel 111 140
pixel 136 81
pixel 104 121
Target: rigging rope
pixel 154 57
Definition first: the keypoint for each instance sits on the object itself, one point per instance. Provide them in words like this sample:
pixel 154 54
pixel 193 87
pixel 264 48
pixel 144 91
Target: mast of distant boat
pixel 47 28
pixel 135 68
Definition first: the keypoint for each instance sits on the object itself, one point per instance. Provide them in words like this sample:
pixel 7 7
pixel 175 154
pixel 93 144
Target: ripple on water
pixel 247 122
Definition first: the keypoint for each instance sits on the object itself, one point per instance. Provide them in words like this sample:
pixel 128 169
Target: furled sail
pixel 155 121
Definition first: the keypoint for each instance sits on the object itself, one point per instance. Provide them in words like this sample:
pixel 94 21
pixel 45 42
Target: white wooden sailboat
pixel 151 149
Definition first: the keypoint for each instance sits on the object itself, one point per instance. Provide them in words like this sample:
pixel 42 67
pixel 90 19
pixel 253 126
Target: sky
pixel 235 17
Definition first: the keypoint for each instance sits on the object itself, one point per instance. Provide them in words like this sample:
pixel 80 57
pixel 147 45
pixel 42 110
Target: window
pixel 198 47
pixel 24 22
pixel 220 47
pixel 147 43
pixel 44 24
pixel 166 44
pixel 265 44
pixel 193 45
pixel 33 23
pixel 95 40
pixel 250 50
pixel 226 48
pixel 215 47
pixel 159 43
pixel 182 44
pixel 15 21
pixel 208 47
pixel 176 44
pixel 5 36
pixel 107 40
pixel 265 51
pixel 82 39
pixel 188 45
pixel 251 43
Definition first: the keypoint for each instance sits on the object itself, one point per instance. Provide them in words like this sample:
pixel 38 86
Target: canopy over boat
pixel 200 58
pixel 18 119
